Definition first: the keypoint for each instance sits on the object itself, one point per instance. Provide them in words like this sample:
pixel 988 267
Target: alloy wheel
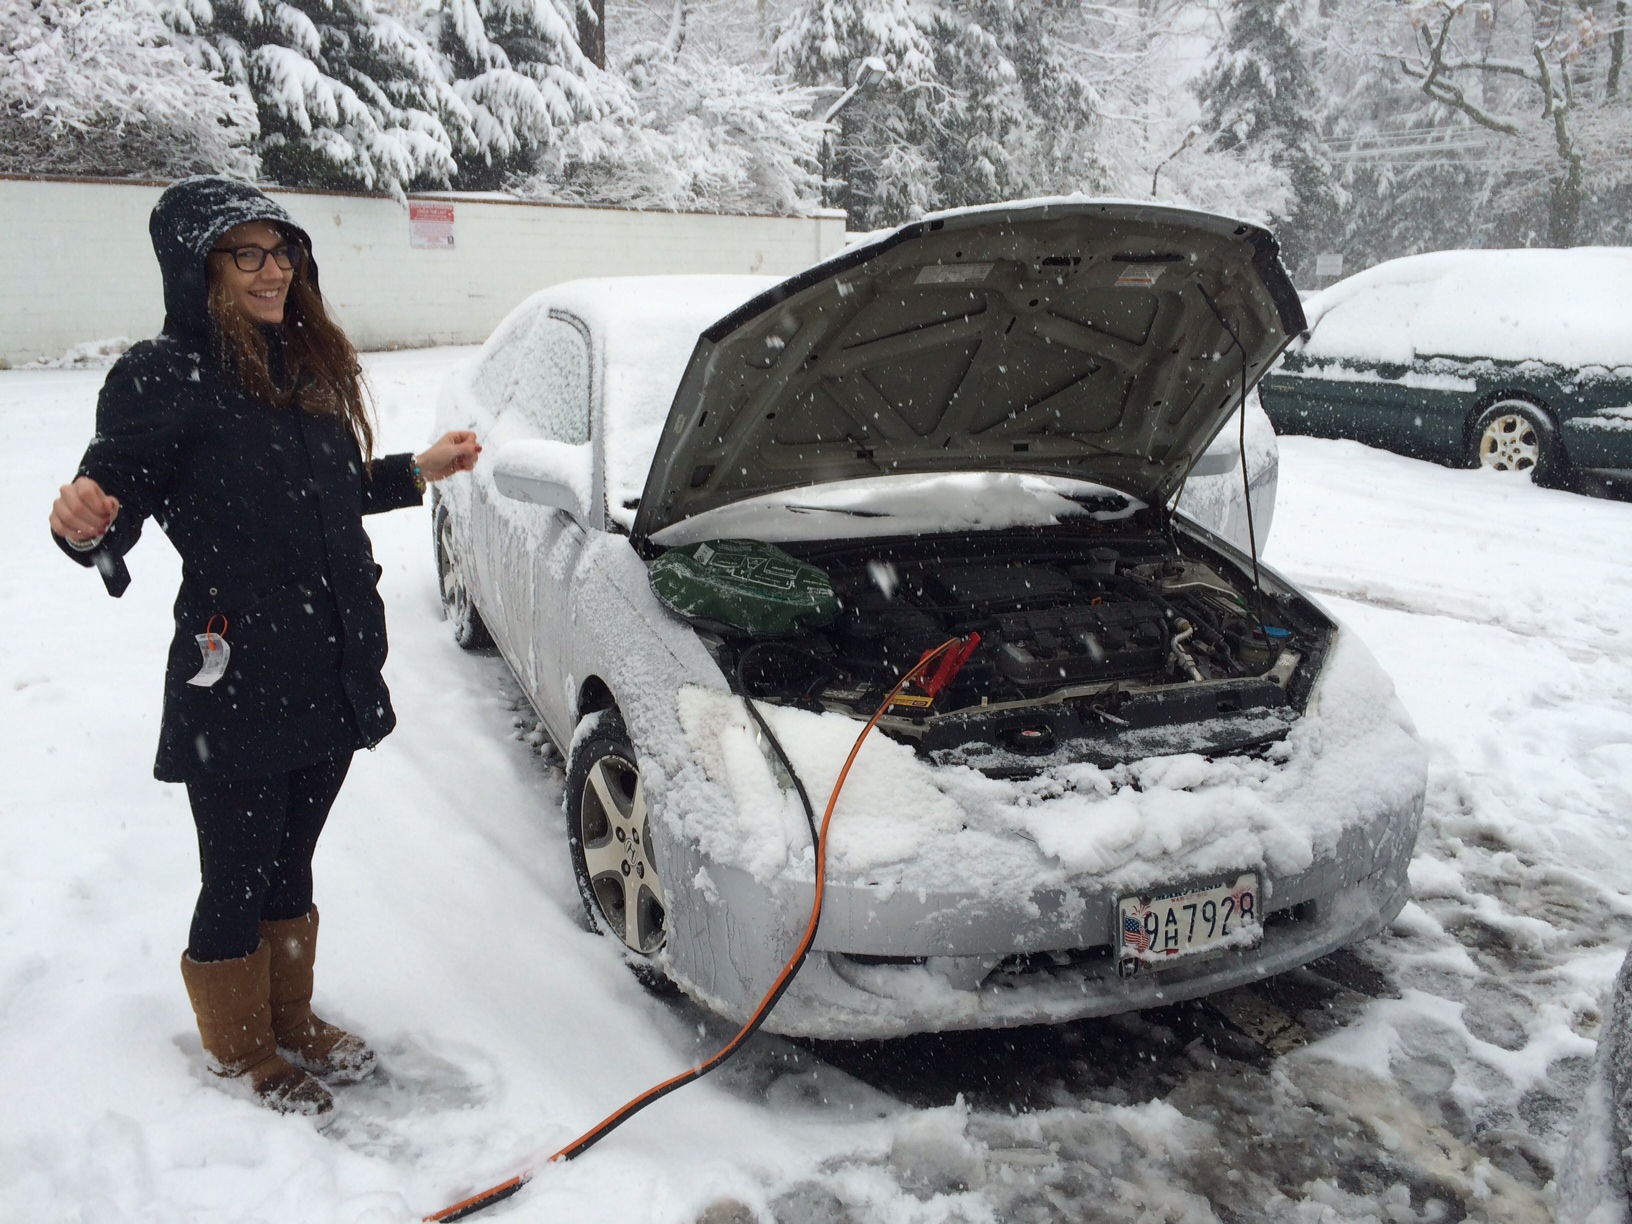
pixel 1509 443
pixel 616 837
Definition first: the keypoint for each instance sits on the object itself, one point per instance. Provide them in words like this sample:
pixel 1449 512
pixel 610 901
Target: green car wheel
pixel 1514 435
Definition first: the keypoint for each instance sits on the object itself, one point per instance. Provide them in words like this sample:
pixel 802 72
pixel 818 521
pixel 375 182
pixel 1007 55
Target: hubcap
pixel 616 836
pixel 1509 444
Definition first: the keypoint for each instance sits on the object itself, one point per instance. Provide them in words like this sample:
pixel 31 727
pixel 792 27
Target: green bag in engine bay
pixel 745 586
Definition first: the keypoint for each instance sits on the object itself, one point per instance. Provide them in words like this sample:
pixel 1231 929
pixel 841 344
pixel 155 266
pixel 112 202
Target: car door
pixel 494 527
pixel 1595 415
pixel 533 383
pixel 551 394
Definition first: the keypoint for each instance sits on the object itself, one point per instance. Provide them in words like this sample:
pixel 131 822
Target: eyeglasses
pixel 253 258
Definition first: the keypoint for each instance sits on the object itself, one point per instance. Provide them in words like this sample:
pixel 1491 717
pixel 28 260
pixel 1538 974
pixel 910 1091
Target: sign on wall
pixel 430 226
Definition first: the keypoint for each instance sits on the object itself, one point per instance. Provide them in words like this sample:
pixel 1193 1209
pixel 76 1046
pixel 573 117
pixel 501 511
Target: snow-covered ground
pixel 1429 1075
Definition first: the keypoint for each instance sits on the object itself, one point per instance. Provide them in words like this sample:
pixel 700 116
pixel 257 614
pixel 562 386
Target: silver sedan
pixel 1156 769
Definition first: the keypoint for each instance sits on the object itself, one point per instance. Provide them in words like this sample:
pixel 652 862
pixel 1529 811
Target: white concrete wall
pixel 77 264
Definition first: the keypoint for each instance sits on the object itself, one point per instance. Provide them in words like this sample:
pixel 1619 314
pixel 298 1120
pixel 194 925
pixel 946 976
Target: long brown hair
pixel 321 373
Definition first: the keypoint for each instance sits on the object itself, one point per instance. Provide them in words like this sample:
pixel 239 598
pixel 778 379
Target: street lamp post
pixel 872 71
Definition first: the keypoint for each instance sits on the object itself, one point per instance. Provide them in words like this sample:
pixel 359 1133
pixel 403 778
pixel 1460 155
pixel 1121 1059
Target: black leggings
pixel 255 842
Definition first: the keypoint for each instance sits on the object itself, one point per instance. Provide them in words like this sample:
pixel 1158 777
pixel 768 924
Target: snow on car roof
pixel 648 326
pixel 1567 307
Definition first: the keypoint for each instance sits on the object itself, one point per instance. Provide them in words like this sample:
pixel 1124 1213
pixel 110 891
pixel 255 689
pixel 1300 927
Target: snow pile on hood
pixel 903 823
pixel 939 502
pixel 1568 307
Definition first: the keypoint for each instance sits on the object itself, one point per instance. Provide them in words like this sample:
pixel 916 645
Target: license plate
pixel 1160 928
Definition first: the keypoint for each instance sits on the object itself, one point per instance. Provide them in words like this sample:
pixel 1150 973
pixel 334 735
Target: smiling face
pixel 259 295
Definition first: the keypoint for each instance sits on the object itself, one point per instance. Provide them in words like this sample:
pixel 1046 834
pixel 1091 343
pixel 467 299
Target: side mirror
pixel 545 474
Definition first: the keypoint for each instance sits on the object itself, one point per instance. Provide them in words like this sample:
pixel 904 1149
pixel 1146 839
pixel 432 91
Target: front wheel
pixel 458 608
pixel 610 834
pixel 1514 435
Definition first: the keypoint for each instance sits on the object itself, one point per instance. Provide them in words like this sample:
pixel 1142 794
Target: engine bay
pixel 1091 647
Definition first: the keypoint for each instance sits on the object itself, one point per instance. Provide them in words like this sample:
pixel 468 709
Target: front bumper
pixel 886 966
pixel 837 998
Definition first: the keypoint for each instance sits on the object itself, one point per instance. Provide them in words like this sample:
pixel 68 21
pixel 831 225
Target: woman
pixel 241 430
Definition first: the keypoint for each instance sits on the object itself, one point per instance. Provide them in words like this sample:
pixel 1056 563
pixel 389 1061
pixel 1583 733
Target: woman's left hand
pixel 452 452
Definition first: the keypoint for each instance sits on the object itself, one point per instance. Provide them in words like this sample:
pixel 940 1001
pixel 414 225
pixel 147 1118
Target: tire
pixel 609 834
pixel 458 608
pixel 1515 435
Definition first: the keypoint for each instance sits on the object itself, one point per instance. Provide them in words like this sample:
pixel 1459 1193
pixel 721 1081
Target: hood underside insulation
pixel 1103 342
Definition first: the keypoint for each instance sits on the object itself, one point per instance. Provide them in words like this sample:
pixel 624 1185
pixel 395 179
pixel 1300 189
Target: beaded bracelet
pixel 419 478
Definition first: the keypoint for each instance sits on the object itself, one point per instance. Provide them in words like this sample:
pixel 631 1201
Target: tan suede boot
pixel 230 999
pixel 325 1050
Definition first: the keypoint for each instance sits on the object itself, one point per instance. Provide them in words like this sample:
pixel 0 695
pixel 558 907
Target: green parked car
pixel 1519 361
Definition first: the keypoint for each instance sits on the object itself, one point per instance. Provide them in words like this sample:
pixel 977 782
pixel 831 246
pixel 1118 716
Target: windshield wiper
pixel 1100 503
pixel 836 510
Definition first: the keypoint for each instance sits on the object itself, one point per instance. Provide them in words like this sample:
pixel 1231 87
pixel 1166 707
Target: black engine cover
pixel 1067 645
pixel 982 589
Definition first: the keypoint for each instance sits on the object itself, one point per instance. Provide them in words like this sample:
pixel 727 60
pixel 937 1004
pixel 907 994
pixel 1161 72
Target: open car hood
pixel 1077 338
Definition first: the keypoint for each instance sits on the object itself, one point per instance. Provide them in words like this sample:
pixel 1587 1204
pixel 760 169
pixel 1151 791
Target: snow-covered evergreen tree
pixel 1043 40
pixel 349 95
pixel 703 136
pixel 984 100
pixel 1117 117
pixel 1261 96
pixel 97 87
pixel 689 130
pixel 883 153
pixel 981 131
pixel 518 68
pixel 824 41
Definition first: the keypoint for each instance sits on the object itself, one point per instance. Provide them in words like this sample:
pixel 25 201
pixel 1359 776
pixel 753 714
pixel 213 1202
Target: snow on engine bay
pixel 902 822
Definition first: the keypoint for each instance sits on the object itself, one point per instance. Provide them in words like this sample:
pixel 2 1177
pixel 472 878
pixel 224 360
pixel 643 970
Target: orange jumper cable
pixel 494 1194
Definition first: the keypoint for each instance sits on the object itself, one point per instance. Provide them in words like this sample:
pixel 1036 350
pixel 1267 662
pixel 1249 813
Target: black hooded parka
pixel 265 506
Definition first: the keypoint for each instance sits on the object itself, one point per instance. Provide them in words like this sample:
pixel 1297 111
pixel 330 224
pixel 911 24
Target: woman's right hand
pixel 82 511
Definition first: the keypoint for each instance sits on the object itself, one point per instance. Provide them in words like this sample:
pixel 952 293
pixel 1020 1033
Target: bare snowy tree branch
pixel 677 30
pixel 1617 50
pixel 1552 49
pixel 1451 95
